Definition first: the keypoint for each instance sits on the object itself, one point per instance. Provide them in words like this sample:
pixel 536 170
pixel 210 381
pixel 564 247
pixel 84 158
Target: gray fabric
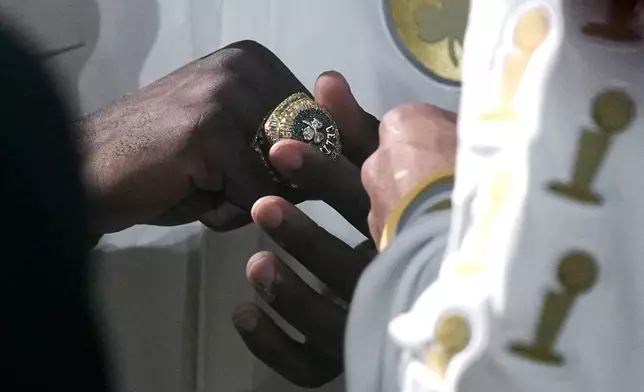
pixel 387 288
pixel 423 203
pixel 420 273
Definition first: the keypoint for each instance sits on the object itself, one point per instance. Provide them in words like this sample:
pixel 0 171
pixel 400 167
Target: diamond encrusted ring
pixel 298 117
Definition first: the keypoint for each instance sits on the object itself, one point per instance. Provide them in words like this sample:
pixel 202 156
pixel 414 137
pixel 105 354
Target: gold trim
pixel 294 103
pixel 393 220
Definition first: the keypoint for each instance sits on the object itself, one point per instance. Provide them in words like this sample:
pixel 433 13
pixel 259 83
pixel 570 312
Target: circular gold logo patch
pixel 430 33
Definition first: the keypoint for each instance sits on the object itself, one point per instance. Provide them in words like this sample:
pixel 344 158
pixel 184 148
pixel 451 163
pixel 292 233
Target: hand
pixel 179 150
pixel 416 141
pixel 319 317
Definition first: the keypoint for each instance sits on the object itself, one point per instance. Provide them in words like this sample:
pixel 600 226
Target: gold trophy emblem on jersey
pixel 613 111
pixel 577 274
pixel 530 32
pixel 473 259
pixel 451 336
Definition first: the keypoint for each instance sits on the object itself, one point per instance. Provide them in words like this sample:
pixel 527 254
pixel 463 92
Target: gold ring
pixel 300 118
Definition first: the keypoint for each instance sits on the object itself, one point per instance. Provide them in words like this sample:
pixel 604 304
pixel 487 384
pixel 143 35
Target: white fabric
pixel 503 262
pixel 169 293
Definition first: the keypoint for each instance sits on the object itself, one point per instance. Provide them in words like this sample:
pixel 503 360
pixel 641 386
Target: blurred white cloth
pixel 168 293
pixel 539 289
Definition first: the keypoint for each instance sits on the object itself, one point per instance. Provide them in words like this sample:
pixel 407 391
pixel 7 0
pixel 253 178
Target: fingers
pixel 252 67
pixel 358 129
pixel 416 141
pixel 187 210
pixel 246 81
pixel 325 256
pixel 242 175
pixel 225 216
pixel 335 182
pixel 212 209
pixel 284 82
pixel 242 83
pixel 301 363
pixel 315 316
pixel 368 247
pixel 252 61
pixel 246 177
pixel 245 98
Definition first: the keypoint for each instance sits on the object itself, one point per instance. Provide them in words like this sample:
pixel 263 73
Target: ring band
pixel 300 118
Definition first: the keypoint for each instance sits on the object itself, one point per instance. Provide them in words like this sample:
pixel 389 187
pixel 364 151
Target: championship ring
pixel 300 118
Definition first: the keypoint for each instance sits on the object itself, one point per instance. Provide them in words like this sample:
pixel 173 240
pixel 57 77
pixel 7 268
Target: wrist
pixel 431 194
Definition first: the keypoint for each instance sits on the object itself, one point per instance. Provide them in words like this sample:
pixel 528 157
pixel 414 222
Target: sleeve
pixel 392 283
pixel 432 194
pixel 539 289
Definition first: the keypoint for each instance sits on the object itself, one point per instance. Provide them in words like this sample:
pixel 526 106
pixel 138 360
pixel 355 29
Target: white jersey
pixel 539 289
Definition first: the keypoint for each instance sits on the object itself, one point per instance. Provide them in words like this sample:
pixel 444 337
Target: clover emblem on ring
pixel 313 131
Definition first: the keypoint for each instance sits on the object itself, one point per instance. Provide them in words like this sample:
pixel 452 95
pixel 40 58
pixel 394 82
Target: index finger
pixel 358 129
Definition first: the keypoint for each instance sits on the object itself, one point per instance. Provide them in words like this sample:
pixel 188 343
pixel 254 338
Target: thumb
pixel 358 129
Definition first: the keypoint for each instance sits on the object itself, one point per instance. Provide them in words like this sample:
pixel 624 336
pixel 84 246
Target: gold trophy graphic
pixel 613 111
pixel 451 336
pixel 530 32
pixel 577 274
pixel 473 260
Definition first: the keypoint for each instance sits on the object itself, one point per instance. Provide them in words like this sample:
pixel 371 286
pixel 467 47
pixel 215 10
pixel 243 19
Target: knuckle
pixel 399 113
pixel 368 170
pixel 404 113
pixel 246 52
pixel 390 118
pixel 417 122
pixel 248 46
pixel 208 88
pixel 433 111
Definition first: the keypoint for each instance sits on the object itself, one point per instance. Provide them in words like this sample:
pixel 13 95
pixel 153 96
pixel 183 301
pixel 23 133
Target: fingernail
pixel 246 318
pixel 263 276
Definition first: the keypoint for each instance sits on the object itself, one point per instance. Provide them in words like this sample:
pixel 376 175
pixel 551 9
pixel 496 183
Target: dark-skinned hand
pixel 319 317
pixel 178 150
